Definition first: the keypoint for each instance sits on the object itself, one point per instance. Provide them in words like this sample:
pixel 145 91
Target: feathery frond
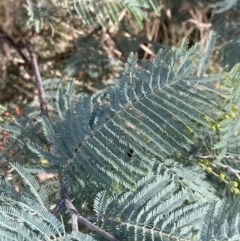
pixel 153 112
pixel 157 210
pixel 102 11
pixel 228 142
pixel 221 221
pixel 207 53
pixel 22 218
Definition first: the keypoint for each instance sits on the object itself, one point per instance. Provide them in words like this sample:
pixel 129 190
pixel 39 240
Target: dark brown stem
pixel 65 200
pixel 77 217
pixel 41 92
pixel 96 228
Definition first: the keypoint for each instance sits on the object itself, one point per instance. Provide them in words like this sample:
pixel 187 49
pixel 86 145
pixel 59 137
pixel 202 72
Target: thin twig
pixel 64 200
pixel 214 156
pixel 147 50
pixel 76 216
pixel 199 24
pixel 59 207
pixel 228 168
pixel 96 228
pixel 39 84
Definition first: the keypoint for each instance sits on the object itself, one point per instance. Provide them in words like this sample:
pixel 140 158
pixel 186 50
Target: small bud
pixel 3 139
pixel 189 130
pixel 147 139
pixel 6 114
pixel 208 169
pixel 214 127
pixel 234 107
pixel 232 114
pixel 222 176
pixel 5 133
pixel 226 116
pixel 205 117
pixel 235 190
pixel 234 184
pixel 205 161
pixel 18 110
pixel 43 161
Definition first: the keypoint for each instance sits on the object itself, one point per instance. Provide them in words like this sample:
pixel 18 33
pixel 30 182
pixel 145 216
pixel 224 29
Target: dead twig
pixel 41 92
pixel 147 50
pixel 200 25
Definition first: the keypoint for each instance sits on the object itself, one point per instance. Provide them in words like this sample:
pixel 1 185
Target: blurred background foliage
pixel 91 40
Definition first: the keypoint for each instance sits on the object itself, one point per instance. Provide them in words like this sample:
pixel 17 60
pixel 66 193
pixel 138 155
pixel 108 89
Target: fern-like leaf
pixel 207 53
pixel 155 111
pixel 101 11
pixel 22 218
pixel 37 192
pixel 221 221
pixel 157 210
